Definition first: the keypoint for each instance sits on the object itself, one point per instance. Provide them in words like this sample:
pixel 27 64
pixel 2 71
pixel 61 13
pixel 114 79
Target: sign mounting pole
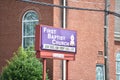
pixel 44 68
pixel 67 68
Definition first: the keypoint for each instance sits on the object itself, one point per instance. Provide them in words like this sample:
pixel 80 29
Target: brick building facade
pixel 90 59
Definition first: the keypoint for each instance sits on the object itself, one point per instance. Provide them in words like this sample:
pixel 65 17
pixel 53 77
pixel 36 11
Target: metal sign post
pixel 44 68
pixel 67 68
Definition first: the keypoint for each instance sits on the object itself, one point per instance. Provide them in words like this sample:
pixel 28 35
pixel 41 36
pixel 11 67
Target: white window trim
pixel 103 68
pixel 117 20
pixel 30 20
pixel 117 36
pixel 23 25
pixel 116 63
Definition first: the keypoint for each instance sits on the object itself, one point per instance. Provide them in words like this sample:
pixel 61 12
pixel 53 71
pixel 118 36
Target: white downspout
pixel 64 27
pixel 64 14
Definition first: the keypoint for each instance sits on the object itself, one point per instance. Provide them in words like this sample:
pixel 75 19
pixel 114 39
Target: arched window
pixel 29 21
pixel 99 72
pixel 118 66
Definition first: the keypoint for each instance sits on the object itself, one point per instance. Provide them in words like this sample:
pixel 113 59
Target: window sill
pixel 117 36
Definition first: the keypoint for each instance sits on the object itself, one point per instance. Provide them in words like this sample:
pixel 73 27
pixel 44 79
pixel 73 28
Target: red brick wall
pixel 11 13
pixel 90 35
pixel 57 64
pixel 112 45
pixel 90 39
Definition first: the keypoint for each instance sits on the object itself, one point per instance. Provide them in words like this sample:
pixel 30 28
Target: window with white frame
pixel 117 21
pixel 118 66
pixel 29 21
pixel 99 72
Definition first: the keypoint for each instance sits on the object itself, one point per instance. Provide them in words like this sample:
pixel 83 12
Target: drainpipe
pixel 106 36
pixel 64 24
pixel 64 19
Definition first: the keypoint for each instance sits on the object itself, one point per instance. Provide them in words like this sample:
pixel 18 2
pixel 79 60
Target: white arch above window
pixel 30 16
